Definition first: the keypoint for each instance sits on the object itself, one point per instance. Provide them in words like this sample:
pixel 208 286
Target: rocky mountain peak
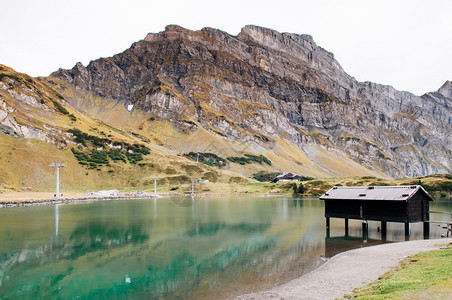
pixel 446 89
pixel 171 32
pixel 273 39
pixel 261 86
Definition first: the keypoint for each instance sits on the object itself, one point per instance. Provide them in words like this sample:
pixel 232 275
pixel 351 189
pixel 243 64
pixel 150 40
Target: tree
pixel 301 189
pixel 295 190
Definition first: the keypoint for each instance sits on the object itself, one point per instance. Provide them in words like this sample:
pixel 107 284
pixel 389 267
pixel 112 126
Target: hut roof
pixel 383 193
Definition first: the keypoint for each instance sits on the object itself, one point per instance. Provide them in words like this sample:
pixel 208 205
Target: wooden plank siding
pixel 418 207
pixel 390 211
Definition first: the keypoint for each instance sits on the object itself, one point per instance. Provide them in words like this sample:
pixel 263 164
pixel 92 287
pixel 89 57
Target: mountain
pixel 38 127
pixel 264 92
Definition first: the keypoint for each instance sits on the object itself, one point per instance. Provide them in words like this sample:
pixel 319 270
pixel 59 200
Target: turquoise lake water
pixel 172 248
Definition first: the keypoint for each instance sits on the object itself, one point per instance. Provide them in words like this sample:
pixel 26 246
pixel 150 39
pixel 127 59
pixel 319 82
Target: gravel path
pixel 347 271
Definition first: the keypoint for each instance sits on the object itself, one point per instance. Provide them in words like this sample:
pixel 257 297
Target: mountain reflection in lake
pixel 160 248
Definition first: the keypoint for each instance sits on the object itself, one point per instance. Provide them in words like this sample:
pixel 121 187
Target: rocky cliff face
pixel 261 86
pixel 27 109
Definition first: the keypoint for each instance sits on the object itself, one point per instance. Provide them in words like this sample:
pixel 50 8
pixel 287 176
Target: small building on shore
pixel 406 204
pixel 287 177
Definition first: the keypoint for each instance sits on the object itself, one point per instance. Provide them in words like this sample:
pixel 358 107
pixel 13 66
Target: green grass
pixel 426 275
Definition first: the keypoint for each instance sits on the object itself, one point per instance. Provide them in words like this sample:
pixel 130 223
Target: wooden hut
pixel 405 204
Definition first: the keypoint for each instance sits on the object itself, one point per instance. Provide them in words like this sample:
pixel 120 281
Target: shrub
pixel 98 157
pixel 13 77
pixel 239 160
pixel 264 176
pixel 116 144
pixel 134 157
pixel 116 154
pixel 81 157
pixel 259 159
pixel 60 108
pixel 138 148
pixel 209 159
pixel 101 156
pixel 80 136
pixel 249 159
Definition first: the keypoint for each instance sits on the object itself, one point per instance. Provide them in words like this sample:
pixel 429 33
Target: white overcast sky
pixel 403 43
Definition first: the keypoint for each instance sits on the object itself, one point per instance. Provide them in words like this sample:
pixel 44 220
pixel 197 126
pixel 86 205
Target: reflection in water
pixel 125 249
pixel 184 201
pixel 336 245
pixel 57 218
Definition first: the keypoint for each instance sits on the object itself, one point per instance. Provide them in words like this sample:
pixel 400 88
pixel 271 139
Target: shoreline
pixel 56 201
pixel 82 198
pixel 348 270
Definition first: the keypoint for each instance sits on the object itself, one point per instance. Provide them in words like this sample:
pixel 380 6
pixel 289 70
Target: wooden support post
pixel 346 227
pixel 384 229
pixel 407 231
pixel 426 230
pixel 365 230
pixel 328 227
pixel 426 222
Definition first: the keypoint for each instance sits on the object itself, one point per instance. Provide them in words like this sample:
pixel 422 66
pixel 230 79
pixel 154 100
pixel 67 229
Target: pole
pixel 327 225
pixel 58 182
pixel 57 218
pixel 57 165
pixel 407 231
pixel 384 230
pixel 346 227
pixel 426 230
pixel 155 185
pixel 365 230
pixel 192 187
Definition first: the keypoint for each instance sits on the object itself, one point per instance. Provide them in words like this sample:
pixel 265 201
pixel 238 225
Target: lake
pixel 173 247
